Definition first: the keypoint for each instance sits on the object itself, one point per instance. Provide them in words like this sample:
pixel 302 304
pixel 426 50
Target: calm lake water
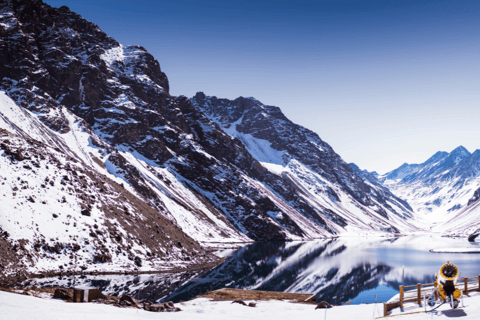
pixel 356 270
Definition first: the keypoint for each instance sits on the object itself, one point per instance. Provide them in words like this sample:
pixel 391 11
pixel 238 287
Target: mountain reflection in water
pixel 337 270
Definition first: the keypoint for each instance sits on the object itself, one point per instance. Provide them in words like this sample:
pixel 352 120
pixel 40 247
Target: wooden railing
pixel 465 284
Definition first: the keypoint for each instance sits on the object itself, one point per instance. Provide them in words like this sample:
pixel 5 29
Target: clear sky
pixel 383 82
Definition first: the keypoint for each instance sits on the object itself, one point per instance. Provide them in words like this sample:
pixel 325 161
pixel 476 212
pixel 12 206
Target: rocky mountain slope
pixel 303 170
pixel 442 189
pixel 163 173
pixel 62 210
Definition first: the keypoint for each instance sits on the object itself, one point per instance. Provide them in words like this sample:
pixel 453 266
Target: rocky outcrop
pixel 475 197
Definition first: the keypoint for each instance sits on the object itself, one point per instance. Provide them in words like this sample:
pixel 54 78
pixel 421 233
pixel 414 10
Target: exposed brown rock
pixel 323 305
pixel 62 294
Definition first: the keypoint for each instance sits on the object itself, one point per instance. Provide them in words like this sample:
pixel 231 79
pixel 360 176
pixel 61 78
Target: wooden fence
pixel 416 295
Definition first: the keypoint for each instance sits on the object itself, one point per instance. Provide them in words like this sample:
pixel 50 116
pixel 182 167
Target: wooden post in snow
pixel 419 293
pixel 401 297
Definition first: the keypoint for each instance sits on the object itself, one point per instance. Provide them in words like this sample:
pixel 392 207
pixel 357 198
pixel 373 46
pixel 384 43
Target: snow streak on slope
pixel 189 211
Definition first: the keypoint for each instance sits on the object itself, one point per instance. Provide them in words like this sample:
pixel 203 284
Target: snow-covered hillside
pixel 62 208
pixel 440 189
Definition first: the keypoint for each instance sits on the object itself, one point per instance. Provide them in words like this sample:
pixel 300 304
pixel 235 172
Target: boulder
pixel 161 307
pixel 138 261
pixel 239 302
pixel 62 294
pixel 128 301
pixel 323 305
pixel 95 294
pixel 472 237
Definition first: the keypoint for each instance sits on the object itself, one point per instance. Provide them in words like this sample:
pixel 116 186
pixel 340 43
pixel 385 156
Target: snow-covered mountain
pixel 100 163
pixel 304 171
pixel 62 209
pixel 440 188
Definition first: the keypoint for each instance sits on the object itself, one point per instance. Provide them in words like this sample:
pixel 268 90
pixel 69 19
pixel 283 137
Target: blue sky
pixel 383 82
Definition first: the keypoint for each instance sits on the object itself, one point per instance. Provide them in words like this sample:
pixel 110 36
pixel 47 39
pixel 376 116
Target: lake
pixel 340 270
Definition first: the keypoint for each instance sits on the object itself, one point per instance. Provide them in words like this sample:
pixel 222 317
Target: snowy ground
pixel 469 308
pixel 14 306
pixel 456 250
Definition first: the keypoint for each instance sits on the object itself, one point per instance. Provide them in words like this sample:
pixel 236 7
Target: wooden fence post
pixel 401 297
pixel 479 282
pixel 385 310
pixel 419 293
pixel 465 281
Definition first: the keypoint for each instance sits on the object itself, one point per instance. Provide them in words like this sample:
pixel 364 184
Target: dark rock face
pixel 382 191
pixel 475 198
pixel 473 236
pixel 52 57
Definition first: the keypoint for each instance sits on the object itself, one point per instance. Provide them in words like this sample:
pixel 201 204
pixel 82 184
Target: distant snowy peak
pixel 440 187
pixel 459 163
pixel 460 152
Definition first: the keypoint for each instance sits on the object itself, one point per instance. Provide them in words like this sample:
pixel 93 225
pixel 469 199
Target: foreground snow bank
pixel 15 306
